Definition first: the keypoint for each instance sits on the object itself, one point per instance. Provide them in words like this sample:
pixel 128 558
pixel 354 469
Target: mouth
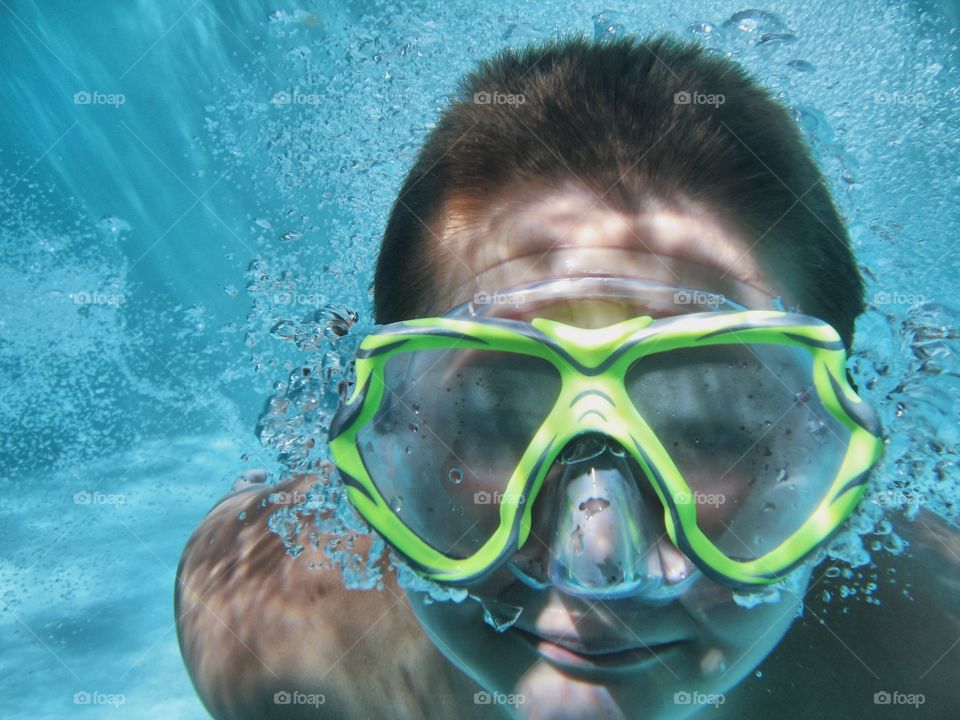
pixel 570 653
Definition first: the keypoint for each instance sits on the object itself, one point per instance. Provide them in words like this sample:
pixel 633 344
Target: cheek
pixel 744 635
pixel 493 660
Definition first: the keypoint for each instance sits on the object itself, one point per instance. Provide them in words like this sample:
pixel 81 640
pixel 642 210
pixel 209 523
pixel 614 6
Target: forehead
pixel 593 302
pixel 490 247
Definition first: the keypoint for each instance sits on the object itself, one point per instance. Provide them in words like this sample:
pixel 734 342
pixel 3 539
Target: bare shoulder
pixel 930 566
pixel 266 635
pixel 934 545
pixel 849 655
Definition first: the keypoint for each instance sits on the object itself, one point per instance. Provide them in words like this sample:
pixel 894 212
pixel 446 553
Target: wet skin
pixel 252 620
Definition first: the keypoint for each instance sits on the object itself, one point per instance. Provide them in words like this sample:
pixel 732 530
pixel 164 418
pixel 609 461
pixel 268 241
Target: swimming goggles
pixel 743 424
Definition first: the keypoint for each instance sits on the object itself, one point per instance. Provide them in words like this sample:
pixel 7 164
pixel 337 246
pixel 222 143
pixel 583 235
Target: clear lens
pixel 449 433
pixel 748 432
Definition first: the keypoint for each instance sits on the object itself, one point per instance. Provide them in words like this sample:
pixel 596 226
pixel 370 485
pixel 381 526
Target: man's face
pixel 571 656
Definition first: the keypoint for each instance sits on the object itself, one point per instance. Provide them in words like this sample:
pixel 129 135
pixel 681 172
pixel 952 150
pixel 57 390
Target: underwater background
pixel 191 198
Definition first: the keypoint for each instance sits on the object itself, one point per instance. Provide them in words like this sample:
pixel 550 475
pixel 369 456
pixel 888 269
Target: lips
pixel 611 653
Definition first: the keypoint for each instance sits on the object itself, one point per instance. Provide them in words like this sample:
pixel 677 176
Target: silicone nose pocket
pixel 606 535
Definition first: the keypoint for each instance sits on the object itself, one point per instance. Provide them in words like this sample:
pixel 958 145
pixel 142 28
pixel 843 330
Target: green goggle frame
pixel 592 364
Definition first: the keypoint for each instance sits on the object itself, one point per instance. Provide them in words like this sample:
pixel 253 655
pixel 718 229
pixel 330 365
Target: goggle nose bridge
pixel 602 412
pixel 595 405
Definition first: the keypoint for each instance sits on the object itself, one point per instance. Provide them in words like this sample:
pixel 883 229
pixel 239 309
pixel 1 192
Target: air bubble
pixel 396 503
pixel 761 596
pixel 499 615
pixel 455 475
pixel 113 225
pixel 703 28
pixel 751 21
pixel 284 330
pixel 802 66
pixel 894 544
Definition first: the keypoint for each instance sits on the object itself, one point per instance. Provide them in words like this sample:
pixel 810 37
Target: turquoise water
pixel 191 195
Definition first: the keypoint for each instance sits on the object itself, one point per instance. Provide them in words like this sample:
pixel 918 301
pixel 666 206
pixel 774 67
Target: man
pixel 623 188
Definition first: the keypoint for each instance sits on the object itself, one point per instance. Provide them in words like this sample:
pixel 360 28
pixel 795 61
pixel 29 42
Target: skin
pixel 253 621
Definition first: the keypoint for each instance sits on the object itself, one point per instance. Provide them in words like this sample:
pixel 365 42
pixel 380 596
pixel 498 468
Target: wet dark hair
pixel 608 116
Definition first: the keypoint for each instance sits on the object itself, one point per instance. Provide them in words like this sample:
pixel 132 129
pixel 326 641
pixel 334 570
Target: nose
pixel 596 535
